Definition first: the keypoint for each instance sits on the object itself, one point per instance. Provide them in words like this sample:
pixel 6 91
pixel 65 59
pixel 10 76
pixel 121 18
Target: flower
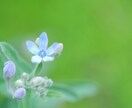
pixel 9 70
pixel 42 53
pixel 20 93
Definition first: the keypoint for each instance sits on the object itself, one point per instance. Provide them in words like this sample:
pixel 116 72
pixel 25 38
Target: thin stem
pixel 27 99
pixel 34 70
pixel 41 69
pixel 38 68
pixel 20 104
pixel 9 87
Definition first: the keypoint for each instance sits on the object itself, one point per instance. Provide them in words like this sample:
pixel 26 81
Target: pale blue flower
pixel 42 53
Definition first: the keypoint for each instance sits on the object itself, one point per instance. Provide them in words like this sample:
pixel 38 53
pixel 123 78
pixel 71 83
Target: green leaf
pixel 60 93
pixel 7 52
pixel 64 92
pixel 2 59
pixel 57 94
pixel 3 90
pixel 72 92
pixel 84 89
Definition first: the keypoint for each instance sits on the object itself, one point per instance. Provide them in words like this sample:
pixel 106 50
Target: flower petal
pixel 55 49
pixel 46 58
pixel 32 47
pixel 43 41
pixel 36 59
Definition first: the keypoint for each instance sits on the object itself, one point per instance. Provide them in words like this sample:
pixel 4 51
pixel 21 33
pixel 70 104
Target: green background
pixel 97 37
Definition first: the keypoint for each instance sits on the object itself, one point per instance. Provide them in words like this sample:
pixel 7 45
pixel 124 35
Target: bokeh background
pixel 97 37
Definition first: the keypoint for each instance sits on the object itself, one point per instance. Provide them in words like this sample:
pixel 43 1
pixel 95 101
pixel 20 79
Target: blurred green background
pixel 97 39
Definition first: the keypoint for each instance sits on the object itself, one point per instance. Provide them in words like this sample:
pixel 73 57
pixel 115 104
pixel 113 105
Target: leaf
pixel 60 93
pixel 57 94
pixel 2 59
pixel 72 92
pixel 84 89
pixel 3 90
pixel 7 52
pixel 64 92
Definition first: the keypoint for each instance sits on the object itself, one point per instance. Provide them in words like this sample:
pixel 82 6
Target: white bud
pixel 56 49
pixel 37 82
pixel 37 41
pixel 25 76
pixel 59 49
pixel 19 83
pixel 41 91
pixel 48 83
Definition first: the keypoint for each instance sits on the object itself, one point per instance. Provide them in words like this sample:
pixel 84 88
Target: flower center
pixel 42 53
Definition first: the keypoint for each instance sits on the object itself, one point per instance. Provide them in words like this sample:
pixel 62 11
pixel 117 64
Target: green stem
pixel 34 70
pixel 42 69
pixel 9 87
pixel 38 69
pixel 20 104
pixel 29 99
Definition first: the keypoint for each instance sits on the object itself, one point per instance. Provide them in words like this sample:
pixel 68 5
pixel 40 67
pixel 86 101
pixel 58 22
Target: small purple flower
pixel 42 53
pixel 9 70
pixel 20 93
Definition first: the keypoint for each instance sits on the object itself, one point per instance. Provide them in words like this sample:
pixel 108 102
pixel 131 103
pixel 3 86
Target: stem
pixel 21 103
pixel 41 69
pixel 34 70
pixel 9 87
pixel 29 99
pixel 37 70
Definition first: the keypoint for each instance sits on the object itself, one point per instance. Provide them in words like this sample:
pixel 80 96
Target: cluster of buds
pixel 26 81
pixel 40 84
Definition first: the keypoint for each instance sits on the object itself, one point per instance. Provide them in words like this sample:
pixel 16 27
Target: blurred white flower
pixel 42 53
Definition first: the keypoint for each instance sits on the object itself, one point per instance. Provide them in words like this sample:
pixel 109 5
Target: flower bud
pixel 48 83
pixel 41 91
pixel 9 70
pixel 20 93
pixel 25 76
pixel 37 41
pixel 19 83
pixel 37 82
pixel 58 50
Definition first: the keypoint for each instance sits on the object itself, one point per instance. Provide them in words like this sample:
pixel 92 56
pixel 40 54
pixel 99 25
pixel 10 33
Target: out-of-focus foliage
pixel 58 93
pixel 97 43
